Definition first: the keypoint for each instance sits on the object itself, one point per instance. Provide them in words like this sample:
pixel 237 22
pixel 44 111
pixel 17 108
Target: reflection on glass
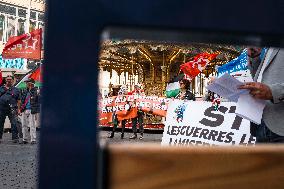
pixel 11 27
pixel 2 23
pixel 21 26
pixel 32 25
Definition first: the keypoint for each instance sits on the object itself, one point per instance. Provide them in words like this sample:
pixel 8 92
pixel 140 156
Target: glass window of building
pixel 2 22
pixel 21 26
pixel 32 25
pixel 11 27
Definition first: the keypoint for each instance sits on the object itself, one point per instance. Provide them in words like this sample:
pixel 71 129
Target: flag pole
pixel 40 58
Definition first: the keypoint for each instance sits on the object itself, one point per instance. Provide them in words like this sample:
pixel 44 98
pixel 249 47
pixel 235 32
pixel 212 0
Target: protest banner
pixel 197 123
pixel 126 107
pixel 153 105
pixel 105 108
pixel 123 106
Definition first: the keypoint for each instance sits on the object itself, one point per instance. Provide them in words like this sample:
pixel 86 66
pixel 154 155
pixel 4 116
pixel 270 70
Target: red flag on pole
pixel 24 46
pixel 36 75
pixel 192 68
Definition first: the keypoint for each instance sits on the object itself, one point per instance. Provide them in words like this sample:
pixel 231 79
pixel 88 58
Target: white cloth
pixel 265 63
pixel 37 120
pixel 28 121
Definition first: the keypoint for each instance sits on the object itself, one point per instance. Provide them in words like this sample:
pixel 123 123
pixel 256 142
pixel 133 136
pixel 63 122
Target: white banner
pixel 197 123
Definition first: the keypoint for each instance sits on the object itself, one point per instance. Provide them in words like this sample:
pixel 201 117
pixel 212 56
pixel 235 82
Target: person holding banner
pixel 115 124
pixel 268 85
pixel 139 119
pixel 185 93
pixel 118 90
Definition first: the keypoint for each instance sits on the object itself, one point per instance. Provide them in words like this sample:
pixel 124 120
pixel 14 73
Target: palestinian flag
pixel 173 86
pixel 172 89
pixel 34 74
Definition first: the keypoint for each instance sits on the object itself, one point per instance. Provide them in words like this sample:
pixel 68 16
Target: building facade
pixel 18 17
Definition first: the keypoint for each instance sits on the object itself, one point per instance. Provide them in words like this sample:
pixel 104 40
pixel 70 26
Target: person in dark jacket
pixel 185 93
pixel 118 90
pixel 30 106
pixel 9 106
pixel 139 119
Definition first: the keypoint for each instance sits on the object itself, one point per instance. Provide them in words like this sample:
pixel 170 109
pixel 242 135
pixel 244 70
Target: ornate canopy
pixel 132 55
pixel 155 62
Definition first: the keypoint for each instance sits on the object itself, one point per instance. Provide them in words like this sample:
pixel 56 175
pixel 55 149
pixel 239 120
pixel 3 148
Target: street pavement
pixel 149 137
pixel 18 164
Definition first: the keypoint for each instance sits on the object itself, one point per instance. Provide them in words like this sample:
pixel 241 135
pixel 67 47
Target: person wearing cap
pixel 30 106
pixel 9 106
pixel 114 91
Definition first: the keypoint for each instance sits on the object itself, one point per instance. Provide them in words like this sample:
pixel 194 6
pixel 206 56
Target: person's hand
pixel 258 90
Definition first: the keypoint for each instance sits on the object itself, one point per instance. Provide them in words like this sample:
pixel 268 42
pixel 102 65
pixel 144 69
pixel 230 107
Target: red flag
pixel 192 68
pixel 24 46
pixel 36 75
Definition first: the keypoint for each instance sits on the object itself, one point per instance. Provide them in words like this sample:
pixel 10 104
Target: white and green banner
pixel 191 123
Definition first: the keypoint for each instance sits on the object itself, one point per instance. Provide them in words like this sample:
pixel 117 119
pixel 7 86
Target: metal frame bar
pixel 69 146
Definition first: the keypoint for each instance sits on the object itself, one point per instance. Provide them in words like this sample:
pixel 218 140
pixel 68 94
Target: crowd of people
pixel 184 94
pixel 122 90
pixel 22 107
